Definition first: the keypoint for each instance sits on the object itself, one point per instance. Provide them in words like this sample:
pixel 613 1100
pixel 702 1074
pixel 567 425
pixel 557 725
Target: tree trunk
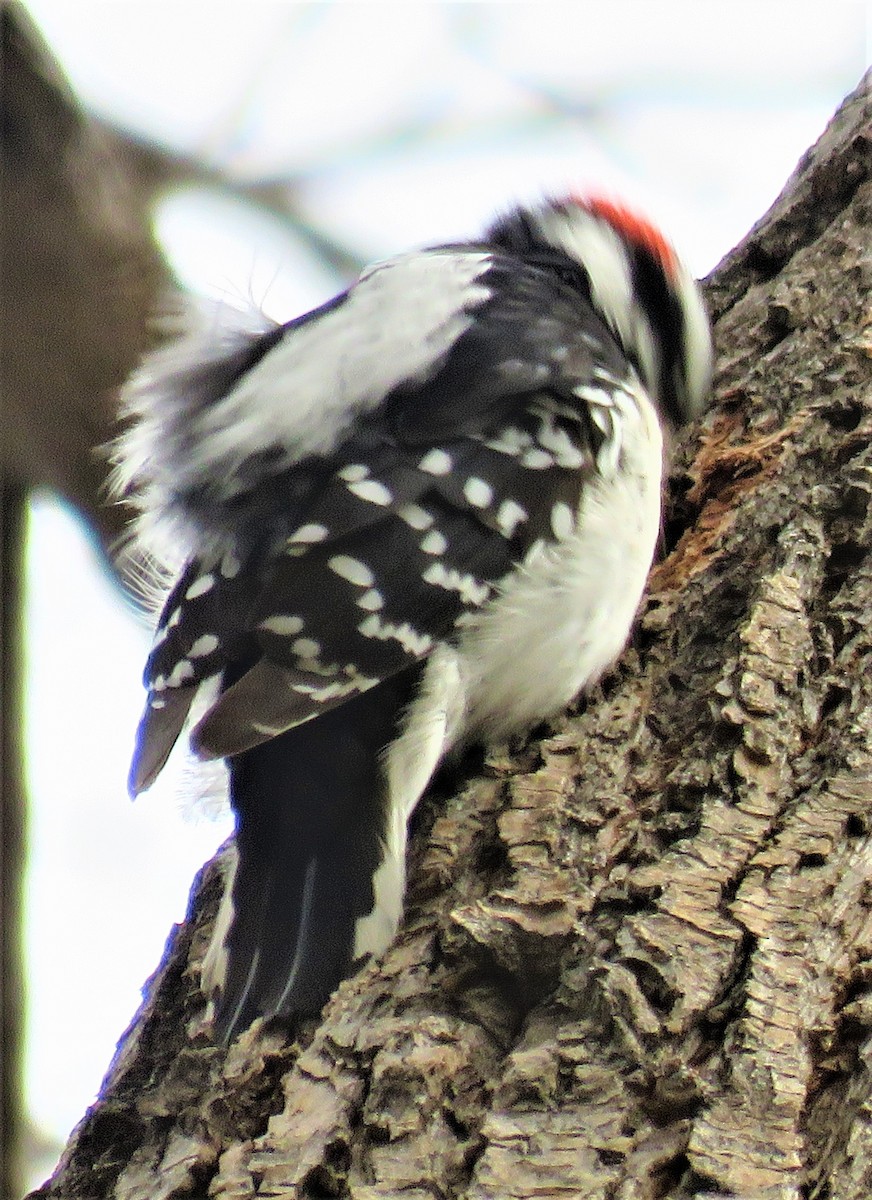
pixel 637 957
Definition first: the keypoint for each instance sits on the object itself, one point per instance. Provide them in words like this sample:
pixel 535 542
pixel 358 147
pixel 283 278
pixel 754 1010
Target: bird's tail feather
pixel 313 816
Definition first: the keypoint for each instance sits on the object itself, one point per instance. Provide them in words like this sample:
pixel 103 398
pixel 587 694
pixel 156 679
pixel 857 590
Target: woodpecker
pixel 420 516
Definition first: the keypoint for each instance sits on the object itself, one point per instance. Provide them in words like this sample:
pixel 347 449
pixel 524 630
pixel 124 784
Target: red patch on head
pixel 632 227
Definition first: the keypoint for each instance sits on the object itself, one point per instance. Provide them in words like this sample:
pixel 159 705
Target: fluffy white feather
pixel 156 406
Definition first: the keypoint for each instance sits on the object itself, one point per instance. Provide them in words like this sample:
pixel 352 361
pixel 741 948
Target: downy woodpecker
pixel 421 515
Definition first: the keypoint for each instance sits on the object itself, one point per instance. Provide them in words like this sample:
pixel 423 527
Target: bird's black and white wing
pixel 362 541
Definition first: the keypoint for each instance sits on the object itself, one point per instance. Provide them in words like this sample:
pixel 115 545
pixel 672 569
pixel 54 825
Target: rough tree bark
pixel 637 959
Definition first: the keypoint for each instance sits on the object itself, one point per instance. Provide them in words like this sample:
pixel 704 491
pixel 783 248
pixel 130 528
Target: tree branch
pixel 81 281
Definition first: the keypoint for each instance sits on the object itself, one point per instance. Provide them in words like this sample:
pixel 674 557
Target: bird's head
pixel 636 282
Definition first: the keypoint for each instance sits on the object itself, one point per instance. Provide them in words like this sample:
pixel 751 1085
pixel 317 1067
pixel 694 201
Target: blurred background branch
pixel 81 276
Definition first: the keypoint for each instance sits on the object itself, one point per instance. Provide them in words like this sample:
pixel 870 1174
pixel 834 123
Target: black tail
pixel 311 809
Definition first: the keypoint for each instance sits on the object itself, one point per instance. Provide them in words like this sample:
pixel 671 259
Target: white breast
pixel 564 617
